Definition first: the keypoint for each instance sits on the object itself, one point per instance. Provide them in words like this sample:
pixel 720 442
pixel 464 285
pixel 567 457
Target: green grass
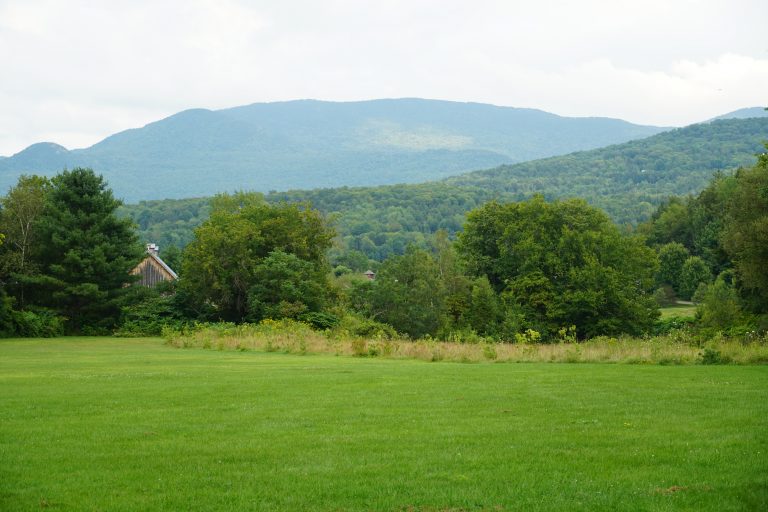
pixel 679 310
pixel 132 424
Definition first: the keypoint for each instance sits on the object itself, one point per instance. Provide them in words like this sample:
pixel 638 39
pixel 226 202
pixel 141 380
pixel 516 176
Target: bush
pixel 149 316
pixel 41 323
pixel 667 325
pixel 366 328
pixel 320 320
pixel 711 355
pixel 7 327
pixel 529 336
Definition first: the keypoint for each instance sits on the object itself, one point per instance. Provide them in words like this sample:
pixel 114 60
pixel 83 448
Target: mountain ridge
pixel 627 180
pixel 312 143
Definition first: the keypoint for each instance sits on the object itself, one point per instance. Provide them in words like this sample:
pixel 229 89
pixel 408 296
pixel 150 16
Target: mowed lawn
pixel 131 424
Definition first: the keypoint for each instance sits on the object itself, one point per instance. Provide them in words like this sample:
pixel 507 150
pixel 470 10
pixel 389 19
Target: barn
pixel 152 269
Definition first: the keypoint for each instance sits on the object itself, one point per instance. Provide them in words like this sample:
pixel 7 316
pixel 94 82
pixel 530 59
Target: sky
pixel 76 71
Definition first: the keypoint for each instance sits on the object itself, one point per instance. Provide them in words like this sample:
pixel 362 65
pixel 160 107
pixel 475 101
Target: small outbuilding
pixel 153 269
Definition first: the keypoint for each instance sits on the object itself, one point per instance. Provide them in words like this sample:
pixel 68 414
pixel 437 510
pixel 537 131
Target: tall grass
pixel 677 347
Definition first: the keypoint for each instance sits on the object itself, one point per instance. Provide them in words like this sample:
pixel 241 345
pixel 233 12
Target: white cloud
pixel 76 71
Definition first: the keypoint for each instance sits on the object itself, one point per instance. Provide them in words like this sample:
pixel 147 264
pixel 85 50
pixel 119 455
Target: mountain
pixel 744 113
pixel 627 180
pixel 308 144
pixel 40 156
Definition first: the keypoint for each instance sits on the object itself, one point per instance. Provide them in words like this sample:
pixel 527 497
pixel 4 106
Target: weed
pixel 287 336
pixel 359 347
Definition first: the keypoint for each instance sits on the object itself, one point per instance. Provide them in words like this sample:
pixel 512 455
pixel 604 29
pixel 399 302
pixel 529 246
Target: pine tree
pixel 86 253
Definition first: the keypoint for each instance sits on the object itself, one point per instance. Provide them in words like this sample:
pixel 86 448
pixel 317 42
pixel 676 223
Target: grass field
pixel 678 310
pixel 133 424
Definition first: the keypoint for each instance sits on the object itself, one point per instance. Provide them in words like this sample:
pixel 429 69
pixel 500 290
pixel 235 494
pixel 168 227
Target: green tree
pixel 221 266
pixel 745 235
pixel 409 295
pixel 456 286
pixel 561 264
pixel 720 306
pixel 20 210
pixel 172 257
pixel 85 251
pixel 672 257
pixel 671 223
pixel 286 287
pixel 694 272
pixel 485 312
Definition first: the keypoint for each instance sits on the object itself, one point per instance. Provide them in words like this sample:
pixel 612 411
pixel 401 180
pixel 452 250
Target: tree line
pixel 531 270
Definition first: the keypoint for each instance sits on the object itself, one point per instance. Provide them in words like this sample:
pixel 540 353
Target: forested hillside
pixel 627 180
pixel 309 144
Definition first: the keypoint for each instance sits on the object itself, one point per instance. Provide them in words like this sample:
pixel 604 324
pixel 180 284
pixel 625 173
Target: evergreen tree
pixel 85 251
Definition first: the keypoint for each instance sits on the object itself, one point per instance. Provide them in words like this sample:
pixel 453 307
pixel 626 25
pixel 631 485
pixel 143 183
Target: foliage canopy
pixel 560 264
pixel 242 240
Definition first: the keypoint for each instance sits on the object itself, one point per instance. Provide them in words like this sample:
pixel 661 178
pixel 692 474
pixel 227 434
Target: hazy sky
pixel 76 71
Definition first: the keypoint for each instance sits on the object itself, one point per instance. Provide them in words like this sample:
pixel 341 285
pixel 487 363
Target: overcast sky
pixel 75 71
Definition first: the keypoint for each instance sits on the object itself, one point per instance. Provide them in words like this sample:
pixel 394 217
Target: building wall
pixel 151 273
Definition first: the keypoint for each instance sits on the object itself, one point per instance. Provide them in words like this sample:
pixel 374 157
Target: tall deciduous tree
pixel 672 257
pixel 286 286
pixel 746 232
pixel 409 293
pixel 561 264
pixel 20 210
pixel 222 265
pixel 85 251
pixel 693 273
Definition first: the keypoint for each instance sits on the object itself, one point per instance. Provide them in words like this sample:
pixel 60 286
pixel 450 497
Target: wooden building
pixel 152 269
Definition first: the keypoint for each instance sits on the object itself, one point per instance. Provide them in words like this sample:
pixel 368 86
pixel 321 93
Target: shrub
pixel 149 316
pixel 711 355
pixel 41 323
pixel 674 323
pixel 529 336
pixel 7 327
pixel 366 328
pixel 320 320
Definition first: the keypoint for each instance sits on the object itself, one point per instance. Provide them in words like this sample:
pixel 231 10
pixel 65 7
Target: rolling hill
pixel 744 113
pixel 309 144
pixel 627 180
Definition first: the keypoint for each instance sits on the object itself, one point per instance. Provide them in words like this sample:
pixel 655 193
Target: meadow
pixel 679 310
pixel 680 346
pixel 137 424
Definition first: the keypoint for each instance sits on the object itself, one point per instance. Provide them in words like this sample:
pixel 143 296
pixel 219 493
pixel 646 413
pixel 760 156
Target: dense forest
pixel 628 181
pixel 529 271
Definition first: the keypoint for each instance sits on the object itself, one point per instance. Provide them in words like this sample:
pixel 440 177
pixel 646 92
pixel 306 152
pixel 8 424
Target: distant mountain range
pixel 627 180
pixel 744 113
pixel 308 144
